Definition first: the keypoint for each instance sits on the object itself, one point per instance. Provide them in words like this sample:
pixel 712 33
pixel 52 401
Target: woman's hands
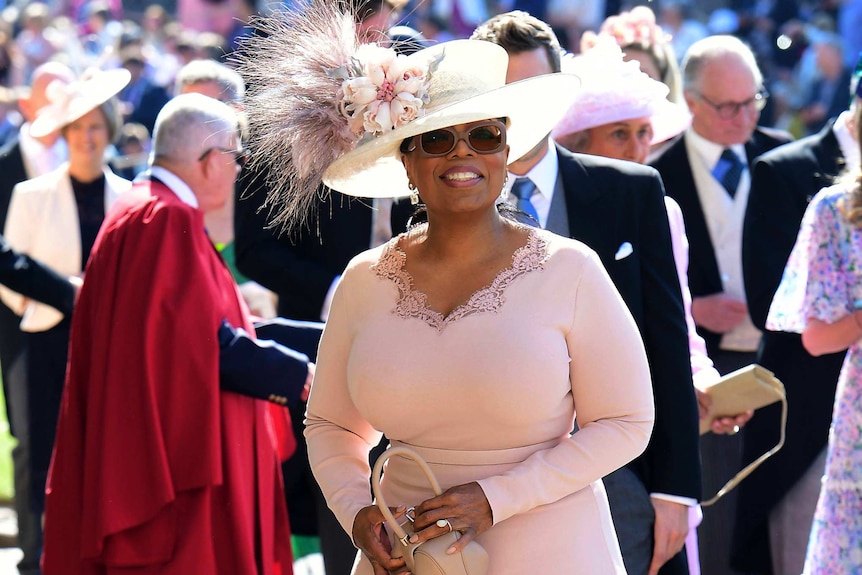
pixel 372 539
pixel 466 509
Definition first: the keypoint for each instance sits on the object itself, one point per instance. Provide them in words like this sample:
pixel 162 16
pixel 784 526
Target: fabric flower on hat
pixel 635 27
pixel 382 90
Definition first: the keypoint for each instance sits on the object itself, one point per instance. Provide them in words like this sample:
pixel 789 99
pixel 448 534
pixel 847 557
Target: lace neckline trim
pixel 412 303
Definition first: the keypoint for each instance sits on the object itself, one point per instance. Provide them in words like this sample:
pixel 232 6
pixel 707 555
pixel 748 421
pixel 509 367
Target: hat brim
pixel 533 106
pixel 669 120
pixel 89 94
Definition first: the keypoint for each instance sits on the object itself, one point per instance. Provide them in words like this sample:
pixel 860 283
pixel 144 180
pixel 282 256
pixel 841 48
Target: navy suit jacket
pixel 610 202
pixel 673 165
pixel 783 182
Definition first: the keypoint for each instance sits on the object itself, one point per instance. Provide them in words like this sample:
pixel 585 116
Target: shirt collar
pixel 848 145
pixel 176 185
pixel 710 152
pixel 543 174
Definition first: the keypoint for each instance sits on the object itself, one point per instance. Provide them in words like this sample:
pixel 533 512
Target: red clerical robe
pixel 155 470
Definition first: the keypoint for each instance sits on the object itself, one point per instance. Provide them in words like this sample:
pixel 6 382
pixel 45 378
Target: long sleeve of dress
pixel 613 400
pixel 339 439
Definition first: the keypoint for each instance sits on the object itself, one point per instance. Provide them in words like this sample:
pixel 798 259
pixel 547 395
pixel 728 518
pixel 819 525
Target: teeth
pixel 462 176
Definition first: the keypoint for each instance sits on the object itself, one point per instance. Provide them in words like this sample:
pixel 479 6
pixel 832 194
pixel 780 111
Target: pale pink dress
pixel 488 394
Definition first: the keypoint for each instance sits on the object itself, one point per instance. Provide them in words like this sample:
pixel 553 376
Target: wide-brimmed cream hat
pixel 468 84
pixel 70 101
pixel 324 108
pixel 616 90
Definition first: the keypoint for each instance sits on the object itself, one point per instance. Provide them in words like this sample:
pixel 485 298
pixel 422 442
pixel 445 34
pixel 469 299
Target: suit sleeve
pixel 21 273
pixel 339 438
pixel 18 234
pixel 769 232
pixel 673 455
pixel 273 259
pixel 259 368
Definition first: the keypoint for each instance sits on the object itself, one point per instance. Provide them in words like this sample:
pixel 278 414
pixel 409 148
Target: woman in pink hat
pixel 55 218
pixel 622 113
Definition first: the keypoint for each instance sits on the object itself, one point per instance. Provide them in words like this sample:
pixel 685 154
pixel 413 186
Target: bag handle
pixel 748 469
pixel 378 495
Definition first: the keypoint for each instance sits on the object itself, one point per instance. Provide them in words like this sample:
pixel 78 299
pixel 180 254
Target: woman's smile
pixel 461 176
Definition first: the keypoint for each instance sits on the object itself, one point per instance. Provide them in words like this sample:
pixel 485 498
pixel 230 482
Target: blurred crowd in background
pixel 806 49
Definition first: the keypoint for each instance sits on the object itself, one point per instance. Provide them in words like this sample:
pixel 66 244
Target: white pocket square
pixel 624 251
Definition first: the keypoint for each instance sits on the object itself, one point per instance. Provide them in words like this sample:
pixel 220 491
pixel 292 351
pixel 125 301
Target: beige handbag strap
pixel 748 469
pixel 378 495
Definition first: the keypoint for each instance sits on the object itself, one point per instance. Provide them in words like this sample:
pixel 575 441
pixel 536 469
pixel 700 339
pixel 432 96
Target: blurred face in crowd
pixel 209 88
pixel 38 97
pixel 87 137
pixel 373 26
pixel 724 103
pixel 525 65
pixel 624 140
pixel 220 161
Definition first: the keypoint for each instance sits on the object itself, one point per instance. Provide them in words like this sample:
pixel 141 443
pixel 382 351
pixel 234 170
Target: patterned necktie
pixel 523 189
pixel 728 171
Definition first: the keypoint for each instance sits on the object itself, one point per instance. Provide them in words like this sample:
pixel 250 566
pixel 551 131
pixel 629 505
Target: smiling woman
pixel 55 218
pixel 472 338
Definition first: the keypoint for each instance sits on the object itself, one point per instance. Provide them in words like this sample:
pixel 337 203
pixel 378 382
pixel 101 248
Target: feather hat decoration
pixel 295 125
pixel 323 108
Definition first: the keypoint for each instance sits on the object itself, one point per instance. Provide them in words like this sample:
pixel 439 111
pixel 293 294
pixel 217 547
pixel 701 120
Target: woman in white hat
pixel 472 338
pixel 54 218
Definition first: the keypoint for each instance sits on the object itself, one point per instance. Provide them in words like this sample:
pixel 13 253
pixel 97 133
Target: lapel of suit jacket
pixel 675 169
pixel 580 192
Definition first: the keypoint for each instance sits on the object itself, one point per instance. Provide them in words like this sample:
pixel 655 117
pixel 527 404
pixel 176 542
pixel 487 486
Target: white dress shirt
pixel 544 176
pixel 724 216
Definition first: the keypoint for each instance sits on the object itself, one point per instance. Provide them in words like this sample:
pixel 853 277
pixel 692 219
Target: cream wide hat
pixel 616 90
pixel 468 85
pixel 68 102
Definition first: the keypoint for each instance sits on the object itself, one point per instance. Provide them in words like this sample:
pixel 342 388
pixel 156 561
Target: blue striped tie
pixel 728 171
pixel 523 189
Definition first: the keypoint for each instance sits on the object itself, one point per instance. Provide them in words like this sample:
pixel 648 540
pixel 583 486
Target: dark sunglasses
pixel 485 138
pixel 239 156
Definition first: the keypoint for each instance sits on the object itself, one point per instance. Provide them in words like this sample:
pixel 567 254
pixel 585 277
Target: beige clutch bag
pixel 750 387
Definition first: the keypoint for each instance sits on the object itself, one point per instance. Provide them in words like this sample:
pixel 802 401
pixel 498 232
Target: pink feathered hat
pixel 614 90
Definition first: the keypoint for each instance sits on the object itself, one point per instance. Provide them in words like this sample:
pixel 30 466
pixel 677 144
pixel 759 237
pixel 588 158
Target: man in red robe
pixel 158 469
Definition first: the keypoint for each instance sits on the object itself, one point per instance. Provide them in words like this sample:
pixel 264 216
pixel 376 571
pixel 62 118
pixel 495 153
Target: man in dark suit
pixel 706 171
pixel 776 503
pixel 23 158
pixel 617 209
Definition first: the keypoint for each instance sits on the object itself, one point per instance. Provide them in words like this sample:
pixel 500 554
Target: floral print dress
pixel 823 280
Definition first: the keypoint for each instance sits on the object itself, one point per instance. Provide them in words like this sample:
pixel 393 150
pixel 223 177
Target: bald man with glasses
pixel 706 170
